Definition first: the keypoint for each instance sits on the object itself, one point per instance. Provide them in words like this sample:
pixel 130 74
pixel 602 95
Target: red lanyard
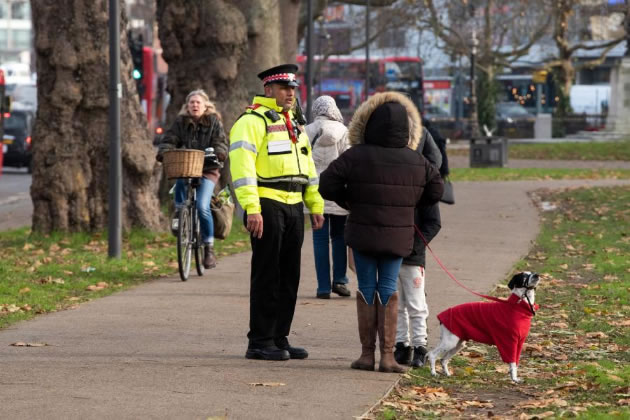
pixel 290 127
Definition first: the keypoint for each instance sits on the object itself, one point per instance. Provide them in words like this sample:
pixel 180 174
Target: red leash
pixel 449 273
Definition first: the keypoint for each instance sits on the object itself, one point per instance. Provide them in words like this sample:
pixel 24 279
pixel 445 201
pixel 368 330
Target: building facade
pixel 16 32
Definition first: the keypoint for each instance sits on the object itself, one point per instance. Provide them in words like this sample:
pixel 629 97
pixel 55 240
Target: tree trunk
pixel 70 138
pixel 220 46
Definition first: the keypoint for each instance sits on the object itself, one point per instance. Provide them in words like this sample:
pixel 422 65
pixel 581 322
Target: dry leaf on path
pixel 267 384
pixel 23 344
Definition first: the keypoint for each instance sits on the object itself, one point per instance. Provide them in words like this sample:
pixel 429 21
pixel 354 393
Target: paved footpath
pixel 169 349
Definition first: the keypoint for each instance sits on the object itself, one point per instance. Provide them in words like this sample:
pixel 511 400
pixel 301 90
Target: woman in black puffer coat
pixel 380 181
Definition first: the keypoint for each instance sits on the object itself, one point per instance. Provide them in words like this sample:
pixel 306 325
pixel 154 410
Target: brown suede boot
pixel 387 319
pixel 209 260
pixel 366 315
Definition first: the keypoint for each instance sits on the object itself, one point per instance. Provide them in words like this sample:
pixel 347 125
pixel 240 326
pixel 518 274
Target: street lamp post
pixel 474 121
pixel 115 160
pixel 367 48
pixel 309 61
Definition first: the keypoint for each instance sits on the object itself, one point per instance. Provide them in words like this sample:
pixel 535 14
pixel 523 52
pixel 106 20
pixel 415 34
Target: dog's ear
pixel 517 281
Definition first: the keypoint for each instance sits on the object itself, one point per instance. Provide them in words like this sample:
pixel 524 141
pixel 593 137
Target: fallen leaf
pixel 543 403
pixel 484 404
pixel 102 284
pixel 267 384
pixel 23 344
pixel 597 334
pixel 24 290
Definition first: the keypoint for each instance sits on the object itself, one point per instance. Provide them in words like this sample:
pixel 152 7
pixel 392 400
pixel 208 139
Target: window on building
pixel 393 38
pixel 3 10
pixel 20 10
pixel 3 38
pixel 21 38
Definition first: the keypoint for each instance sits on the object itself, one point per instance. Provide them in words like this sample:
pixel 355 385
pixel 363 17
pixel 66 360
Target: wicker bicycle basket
pixel 183 163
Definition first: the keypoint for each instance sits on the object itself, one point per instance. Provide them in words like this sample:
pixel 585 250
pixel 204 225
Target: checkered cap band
pixel 281 77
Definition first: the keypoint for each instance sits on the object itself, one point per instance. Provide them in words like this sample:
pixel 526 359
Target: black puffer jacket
pixel 382 179
pixel 190 134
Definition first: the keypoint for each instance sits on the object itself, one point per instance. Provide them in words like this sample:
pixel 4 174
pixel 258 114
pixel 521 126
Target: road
pixel 16 207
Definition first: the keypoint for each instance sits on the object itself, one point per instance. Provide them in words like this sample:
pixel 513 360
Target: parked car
pixel 513 120
pixel 442 121
pixel 18 126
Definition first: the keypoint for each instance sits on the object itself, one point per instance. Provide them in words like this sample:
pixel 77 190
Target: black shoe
pixel 419 355
pixel 341 289
pixel 323 296
pixel 402 354
pixel 267 353
pixel 294 352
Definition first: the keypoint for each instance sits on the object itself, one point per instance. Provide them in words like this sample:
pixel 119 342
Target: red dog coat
pixel 504 324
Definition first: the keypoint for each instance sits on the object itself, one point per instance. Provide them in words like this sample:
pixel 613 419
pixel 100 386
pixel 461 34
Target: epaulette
pixel 251 108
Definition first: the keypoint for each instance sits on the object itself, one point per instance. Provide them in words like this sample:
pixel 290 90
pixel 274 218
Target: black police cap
pixel 284 74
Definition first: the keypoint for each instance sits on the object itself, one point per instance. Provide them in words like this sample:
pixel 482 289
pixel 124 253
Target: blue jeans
pixel 333 227
pixel 204 195
pixel 377 274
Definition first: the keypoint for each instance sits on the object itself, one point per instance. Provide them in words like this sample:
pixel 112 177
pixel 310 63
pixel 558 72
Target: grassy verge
pixel 564 151
pixel 534 174
pixel 40 274
pixel 576 361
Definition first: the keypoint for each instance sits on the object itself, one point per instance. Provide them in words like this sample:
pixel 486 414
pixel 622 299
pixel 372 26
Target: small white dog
pixel 504 324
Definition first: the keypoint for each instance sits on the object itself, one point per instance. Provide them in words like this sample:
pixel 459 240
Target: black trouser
pixel 275 275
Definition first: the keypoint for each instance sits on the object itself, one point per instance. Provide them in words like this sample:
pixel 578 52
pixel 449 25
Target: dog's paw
pixel 517 381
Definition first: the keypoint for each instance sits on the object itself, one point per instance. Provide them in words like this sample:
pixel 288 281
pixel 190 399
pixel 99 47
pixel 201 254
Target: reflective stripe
pixel 245 145
pixel 244 181
pixel 313 181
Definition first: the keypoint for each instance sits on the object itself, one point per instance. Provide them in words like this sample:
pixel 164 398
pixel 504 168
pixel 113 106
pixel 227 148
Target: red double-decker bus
pixel 343 78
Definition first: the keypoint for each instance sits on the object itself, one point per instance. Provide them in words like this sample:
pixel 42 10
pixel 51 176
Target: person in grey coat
pixel 329 139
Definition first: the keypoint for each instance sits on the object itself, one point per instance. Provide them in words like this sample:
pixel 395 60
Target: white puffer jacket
pixel 329 139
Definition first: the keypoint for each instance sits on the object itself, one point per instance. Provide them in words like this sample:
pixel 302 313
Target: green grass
pixel 565 151
pixel 576 362
pixel 534 174
pixel 46 273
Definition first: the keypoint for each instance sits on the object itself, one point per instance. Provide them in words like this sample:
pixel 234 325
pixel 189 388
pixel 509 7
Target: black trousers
pixel 275 274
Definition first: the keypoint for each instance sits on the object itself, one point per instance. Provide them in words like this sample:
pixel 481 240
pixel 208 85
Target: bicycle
pixel 189 233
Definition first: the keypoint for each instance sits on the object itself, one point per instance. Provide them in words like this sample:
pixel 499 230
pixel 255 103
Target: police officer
pixel 273 173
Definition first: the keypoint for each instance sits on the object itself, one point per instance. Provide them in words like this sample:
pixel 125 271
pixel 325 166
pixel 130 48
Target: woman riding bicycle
pixel 198 126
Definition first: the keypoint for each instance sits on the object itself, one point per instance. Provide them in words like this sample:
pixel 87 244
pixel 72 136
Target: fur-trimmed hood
pixel 356 130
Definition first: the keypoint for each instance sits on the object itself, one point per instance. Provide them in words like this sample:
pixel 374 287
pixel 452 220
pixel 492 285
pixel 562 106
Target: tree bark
pixel 70 138
pixel 220 46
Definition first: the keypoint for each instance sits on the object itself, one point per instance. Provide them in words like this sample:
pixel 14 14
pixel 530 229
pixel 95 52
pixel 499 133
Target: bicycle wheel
pixel 184 243
pixel 197 244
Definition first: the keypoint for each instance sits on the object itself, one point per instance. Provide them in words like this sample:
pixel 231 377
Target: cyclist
pixel 198 126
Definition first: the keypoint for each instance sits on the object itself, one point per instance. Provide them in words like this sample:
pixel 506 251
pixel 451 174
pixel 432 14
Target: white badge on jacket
pixel 279 147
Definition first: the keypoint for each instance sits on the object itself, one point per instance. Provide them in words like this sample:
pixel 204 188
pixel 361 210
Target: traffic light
pixel 135 47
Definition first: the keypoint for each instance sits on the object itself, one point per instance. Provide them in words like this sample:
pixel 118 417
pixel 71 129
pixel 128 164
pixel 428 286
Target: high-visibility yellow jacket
pixel 262 150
